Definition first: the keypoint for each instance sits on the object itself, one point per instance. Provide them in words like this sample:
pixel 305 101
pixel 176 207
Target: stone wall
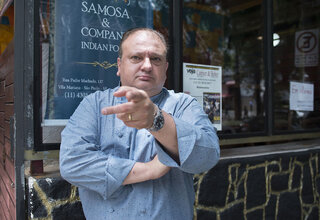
pixel 280 186
pixel 283 186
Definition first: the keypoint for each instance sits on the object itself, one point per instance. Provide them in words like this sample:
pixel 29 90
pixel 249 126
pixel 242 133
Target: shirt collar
pixel 157 99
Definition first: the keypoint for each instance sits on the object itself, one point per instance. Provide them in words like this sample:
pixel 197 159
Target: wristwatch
pixel 158 121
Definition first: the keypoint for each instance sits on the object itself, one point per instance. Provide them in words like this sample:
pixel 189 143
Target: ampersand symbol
pixel 105 22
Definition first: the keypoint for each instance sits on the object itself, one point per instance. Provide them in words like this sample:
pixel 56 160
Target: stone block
pixel 36 208
pixel 271 207
pixel 52 188
pixel 214 187
pixel 285 162
pixel 256 187
pixel 234 212
pixel 254 215
pixel 307 187
pixel 273 168
pixel 317 186
pixel 296 176
pixel 68 211
pixel 314 214
pixel 289 206
pixel 279 182
pixel 205 214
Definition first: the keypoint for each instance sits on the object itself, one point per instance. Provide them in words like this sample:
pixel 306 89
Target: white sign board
pixel 306 48
pixel 301 96
pixel 204 82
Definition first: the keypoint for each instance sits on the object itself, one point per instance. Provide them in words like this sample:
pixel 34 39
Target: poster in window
pixel 204 83
pixel 301 96
pixel 86 44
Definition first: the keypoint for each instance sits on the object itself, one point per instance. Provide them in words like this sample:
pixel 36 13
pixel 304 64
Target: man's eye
pixel 156 60
pixel 135 59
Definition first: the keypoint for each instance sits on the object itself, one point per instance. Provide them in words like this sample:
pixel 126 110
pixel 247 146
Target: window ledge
pixel 254 151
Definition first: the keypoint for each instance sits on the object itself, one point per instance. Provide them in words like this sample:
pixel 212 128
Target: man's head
pixel 134 30
pixel 142 61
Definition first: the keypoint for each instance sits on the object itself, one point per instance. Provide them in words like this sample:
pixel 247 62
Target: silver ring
pixel 129 117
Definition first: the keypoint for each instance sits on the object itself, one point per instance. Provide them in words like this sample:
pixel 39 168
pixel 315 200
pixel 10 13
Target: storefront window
pixel 296 65
pixel 229 34
pixel 79 49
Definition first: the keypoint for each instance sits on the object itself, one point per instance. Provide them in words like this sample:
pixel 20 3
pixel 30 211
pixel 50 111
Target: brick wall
pixel 7 176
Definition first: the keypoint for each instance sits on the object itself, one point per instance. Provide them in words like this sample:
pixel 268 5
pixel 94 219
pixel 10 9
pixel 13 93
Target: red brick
pixel 4 211
pixel 8 192
pixel 7 129
pixel 2 101
pixel 7 146
pixel 2 119
pixel 1 135
pixel 2 85
pixel 7 185
pixel 9 94
pixel 8 206
pixel 2 154
pixel 9 167
pixel 9 78
pixel 8 111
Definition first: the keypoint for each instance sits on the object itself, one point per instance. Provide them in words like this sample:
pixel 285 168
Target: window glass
pixel 79 49
pixel 229 34
pixel 296 65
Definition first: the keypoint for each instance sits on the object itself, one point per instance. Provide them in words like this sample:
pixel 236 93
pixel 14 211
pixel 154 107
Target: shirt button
pixel 120 135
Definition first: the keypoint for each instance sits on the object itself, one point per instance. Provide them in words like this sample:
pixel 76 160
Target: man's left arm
pixel 167 136
pixel 197 141
pixel 187 141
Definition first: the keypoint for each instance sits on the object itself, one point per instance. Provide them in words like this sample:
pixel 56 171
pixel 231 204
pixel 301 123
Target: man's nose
pixel 147 66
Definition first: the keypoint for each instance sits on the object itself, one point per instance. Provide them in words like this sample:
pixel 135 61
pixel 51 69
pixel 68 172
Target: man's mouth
pixel 144 78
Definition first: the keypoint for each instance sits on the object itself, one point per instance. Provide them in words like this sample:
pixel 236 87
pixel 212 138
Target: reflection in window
pixel 296 65
pixel 229 34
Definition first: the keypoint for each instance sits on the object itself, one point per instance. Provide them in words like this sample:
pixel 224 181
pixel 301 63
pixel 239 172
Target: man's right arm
pixel 141 172
pixel 82 162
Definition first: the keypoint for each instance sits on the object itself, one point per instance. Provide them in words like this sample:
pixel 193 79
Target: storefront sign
pixel 306 48
pixel 301 96
pixel 86 45
pixel 204 83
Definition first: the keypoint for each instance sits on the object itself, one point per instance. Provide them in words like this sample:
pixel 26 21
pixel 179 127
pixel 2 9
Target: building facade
pixel 252 65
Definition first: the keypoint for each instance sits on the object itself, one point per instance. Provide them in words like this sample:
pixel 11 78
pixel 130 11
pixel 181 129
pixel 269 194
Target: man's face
pixel 143 64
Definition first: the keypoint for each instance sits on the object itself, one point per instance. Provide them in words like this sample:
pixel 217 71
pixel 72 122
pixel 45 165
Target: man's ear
pixel 119 64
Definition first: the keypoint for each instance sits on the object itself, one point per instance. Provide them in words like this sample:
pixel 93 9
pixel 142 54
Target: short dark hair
pixel 134 30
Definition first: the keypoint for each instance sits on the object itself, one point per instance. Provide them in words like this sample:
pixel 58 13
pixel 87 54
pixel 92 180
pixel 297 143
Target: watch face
pixel 158 122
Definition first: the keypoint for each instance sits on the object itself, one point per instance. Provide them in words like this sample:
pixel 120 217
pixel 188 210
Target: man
pixel 133 150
